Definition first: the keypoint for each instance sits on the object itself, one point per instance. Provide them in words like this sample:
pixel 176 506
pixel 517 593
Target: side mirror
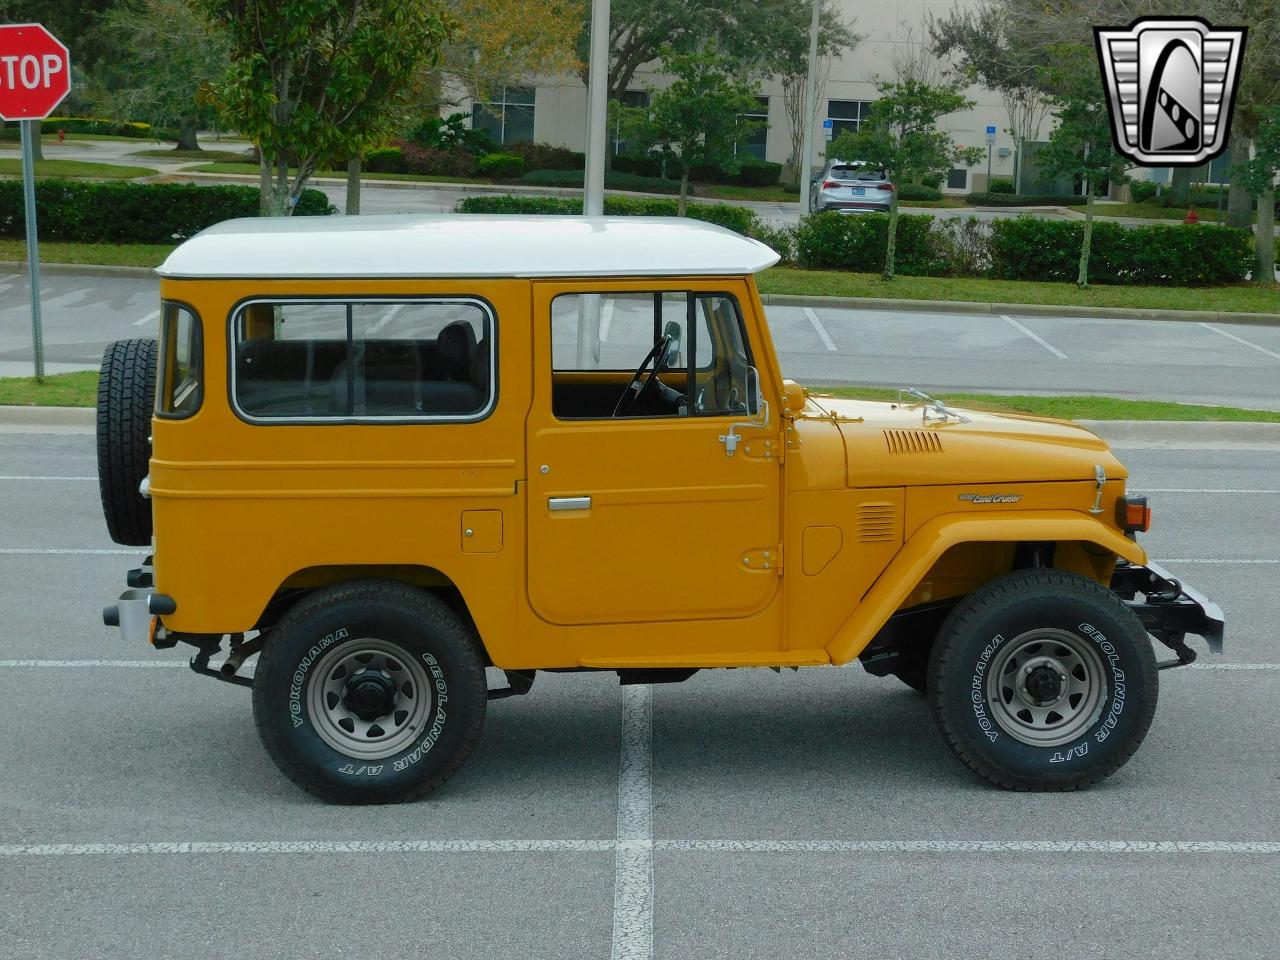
pixel 793 396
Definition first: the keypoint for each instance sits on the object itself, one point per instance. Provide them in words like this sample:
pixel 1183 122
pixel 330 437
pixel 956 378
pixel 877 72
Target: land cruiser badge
pixel 990 497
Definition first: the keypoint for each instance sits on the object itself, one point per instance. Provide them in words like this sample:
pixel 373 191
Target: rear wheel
pixel 126 400
pixel 1043 680
pixel 370 692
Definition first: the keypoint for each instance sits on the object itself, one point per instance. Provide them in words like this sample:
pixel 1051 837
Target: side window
pixel 179 390
pixel 364 360
pixel 599 342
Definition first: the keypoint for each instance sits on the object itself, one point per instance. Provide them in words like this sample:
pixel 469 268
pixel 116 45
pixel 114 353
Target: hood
pixel 888 444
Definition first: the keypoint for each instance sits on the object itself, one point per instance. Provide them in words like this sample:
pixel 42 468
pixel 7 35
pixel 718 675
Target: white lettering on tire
pixel 437 725
pixel 300 673
pixel 977 694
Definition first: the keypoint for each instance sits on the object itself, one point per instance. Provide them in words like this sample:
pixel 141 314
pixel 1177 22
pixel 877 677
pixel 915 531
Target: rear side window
pixel 338 360
pixel 179 392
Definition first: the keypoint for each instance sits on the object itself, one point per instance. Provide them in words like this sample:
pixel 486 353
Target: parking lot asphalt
pixel 739 814
pixel 1220 363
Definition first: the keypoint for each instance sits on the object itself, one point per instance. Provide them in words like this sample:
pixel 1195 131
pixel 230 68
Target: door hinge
pixel 763 558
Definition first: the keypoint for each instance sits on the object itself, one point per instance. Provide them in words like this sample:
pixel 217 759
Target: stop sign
pixel 35 72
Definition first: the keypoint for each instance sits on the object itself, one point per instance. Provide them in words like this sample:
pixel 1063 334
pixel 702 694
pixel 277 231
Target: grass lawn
pixel 212 156
pixel 98 254
pixel 1071 407
pixel 81 390
pixel 242 167
pixel 1246 298
pixel 75 168
pixel 723 191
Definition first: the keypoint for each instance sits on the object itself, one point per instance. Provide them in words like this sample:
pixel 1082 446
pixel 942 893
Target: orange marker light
pixel 1134 514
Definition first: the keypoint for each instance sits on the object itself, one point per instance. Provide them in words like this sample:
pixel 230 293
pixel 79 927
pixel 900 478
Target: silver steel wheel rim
pixel 1017 681
pixel 341 727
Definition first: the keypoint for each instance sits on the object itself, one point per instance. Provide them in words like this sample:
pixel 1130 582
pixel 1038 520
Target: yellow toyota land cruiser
pixel 383 454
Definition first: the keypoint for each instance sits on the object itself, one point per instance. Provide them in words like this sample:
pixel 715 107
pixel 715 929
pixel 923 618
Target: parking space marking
pixel 1201 490
pixel 56 664
pixel 1235 666
pixel 971 846
pixel 1034 336
pixel 1219 561
pixel 633 855
pixel 820 330
pixel 47 478
pixel 28 552
pixel 153 315
pixel 1247 343
pixel 197 847
pixel 68 298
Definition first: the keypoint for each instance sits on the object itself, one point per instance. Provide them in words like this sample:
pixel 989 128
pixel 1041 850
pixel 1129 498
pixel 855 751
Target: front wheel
pixel 1043 680
pixel 369 692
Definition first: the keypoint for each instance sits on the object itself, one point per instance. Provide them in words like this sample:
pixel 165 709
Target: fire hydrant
pixel 62 135
pixel 1191 216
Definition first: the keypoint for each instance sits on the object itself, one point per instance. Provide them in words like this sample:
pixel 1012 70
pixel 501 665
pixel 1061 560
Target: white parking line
pixel 24 552
pixel 1235 666
pixel 819 329
pixel 1247 343
pixel 1034 336
pixel 196 847
pixel 1216 561
pixel 1201 490
pixel 633 856
pixel 155 314
pixel 59 664
pixel 47 478
pixel 972 846
pixel 66 299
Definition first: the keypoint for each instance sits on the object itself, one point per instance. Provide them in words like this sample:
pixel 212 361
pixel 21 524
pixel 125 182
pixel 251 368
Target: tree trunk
pixel 1180 187
pixel 36 152
pixel 1239 203
pixel 353 186
pixel 187 129
pixel 682 204
pixel 264 185
pixel 891 243
pixel 1265 238
pixel 274 183
pixel 1082 278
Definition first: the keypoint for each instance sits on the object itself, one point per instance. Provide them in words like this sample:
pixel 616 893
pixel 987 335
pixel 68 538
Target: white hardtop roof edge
pixel 465 245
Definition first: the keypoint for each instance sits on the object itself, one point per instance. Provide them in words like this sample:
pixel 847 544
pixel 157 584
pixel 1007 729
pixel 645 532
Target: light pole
pixel 593 184
pixel 805 160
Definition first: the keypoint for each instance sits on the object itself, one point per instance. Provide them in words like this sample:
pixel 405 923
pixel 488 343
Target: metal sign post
pixel 991 140
pixel 33 250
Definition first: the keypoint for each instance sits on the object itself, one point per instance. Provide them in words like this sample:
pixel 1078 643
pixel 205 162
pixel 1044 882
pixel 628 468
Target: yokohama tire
pixel 126 401
pixel 1043 680
pixel 345 750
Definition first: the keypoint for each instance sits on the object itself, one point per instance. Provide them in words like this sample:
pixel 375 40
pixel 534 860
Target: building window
pixel 847 114
pixel 958 179
pixel 508 117
pixel 350 360
pixel 755 143
pixel 629 98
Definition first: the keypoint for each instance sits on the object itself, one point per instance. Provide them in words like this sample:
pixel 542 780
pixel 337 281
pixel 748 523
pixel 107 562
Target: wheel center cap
pixel 369 695
pixel 1044 684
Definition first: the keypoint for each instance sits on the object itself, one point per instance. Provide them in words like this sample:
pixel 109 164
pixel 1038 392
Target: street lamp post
pixel 593 185
pixel 805 160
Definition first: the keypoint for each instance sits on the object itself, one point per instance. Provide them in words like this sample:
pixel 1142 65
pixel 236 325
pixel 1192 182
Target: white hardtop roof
pixel 466 245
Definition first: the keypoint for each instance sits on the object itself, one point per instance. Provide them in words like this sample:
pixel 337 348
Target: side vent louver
pixel 913 441
pixel 876 522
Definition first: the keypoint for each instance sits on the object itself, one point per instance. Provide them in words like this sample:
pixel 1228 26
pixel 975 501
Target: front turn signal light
pixel 1133 514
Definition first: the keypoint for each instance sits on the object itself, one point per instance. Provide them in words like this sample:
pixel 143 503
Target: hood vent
pixel 913 441
pixel 877 522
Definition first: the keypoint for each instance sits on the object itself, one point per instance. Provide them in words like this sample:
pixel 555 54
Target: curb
pixel 1023 309
pixel 80 269
pixel 76 421
pixel 1180 433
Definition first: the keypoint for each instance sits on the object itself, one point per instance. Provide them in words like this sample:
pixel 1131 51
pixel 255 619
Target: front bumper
pixel 1169 609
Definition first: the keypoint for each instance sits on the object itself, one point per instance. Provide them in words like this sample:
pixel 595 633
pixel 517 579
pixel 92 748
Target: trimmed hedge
pixel 752 173
pixel 500 166
pixel 914 191
pixel 858 242
pixel 543 156
pixel 79 212
pixel 1021 200
pixel 613 180
pixel 102 127
pixel 1029 248
pixel 404 156
pixel 1000 186
pixel 739 219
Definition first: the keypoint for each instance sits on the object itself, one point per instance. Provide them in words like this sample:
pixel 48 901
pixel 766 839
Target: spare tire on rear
pixel 126 400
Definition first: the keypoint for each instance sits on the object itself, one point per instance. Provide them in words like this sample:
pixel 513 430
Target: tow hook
pixel 1177 643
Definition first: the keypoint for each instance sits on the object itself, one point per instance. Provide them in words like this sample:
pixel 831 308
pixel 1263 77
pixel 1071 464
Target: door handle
pixel 568 503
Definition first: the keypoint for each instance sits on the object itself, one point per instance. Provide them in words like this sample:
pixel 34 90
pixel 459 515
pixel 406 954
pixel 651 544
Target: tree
pixel 1081 146
pixel 789 64
pixel 901 136
pixel 315 81
pixel 1258 176
pixel 698 119
pixel 165 53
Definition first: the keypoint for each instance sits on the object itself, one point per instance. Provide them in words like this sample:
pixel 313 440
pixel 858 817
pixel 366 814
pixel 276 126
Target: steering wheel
pixel 637 389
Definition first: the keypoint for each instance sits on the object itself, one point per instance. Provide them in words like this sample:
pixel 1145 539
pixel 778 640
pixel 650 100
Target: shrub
pixel 613 180
pixel 1000 186
pixel 1028 248
pixel 81 212
pixel 912 191
pixel 104 127
pixel 453 132
pixel 648 166
pixel 1021 200
pixel 781 239
pixel 500 166
pixel 739 219
pixel 962 244
pixel 543 156
pixel 384 160
pixel 1142 191
pixel 403 156
pixel 857 242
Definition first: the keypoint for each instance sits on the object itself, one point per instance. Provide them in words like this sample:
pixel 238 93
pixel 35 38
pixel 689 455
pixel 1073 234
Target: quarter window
pixel 364 360
pixel 599 340
pixel 178 392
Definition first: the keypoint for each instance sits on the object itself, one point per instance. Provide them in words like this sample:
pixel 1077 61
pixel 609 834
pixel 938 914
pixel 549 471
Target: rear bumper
pixel 1168 608
pixel 852 206
pixel 134 611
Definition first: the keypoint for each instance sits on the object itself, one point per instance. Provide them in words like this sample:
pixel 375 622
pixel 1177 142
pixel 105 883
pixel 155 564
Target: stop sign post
pixel 35 75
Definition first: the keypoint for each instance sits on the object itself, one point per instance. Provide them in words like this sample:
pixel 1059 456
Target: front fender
pixel 937 536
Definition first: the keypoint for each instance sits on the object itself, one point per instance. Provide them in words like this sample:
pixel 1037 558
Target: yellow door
pixel 649 505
